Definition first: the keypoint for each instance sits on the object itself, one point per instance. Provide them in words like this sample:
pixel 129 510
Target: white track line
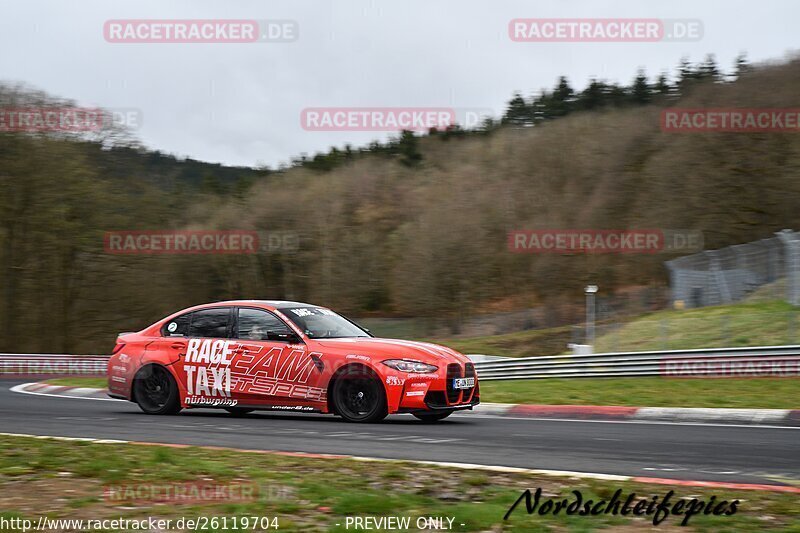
pixel 20 389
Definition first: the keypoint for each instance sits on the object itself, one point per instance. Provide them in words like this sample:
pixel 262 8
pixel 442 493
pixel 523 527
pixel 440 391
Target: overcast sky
pixel 241 103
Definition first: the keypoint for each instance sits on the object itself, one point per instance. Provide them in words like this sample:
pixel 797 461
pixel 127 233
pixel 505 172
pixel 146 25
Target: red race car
pixel 274 355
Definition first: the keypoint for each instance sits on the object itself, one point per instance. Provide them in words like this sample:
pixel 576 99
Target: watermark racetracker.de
pixel 171 242
pixel 731 120
pixel 604 241
pixel 193 493
pixel 66 119
pixel 604 30
pixel 733 367
pixel 150 523
pixel 50 365
pixel 391 119
pixel 200 31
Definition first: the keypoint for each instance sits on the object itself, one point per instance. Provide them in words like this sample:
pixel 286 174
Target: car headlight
pixel 404 365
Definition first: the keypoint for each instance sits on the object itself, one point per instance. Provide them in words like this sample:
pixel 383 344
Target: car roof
pixel 277 304
pixel 269 304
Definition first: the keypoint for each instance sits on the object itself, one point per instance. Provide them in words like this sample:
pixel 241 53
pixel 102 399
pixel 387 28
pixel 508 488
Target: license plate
pixel 463 383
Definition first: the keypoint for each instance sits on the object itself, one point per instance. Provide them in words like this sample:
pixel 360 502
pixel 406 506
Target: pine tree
pixel 741 65
pixel 686 76
pixel 540 107
pixel 615 95
pixel 709 70
pixel 408 148
pixel 593 97
pixel 640 92
pixel 561 100
pixel 518 112
pixel 662 87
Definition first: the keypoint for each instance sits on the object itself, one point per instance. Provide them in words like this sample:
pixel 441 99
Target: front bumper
pixel 433 392
pixel 434 408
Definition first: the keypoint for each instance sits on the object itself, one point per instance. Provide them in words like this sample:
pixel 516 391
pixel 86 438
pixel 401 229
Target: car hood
pixel 394 348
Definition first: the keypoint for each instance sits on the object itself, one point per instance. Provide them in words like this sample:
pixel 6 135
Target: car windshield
pixel 321 323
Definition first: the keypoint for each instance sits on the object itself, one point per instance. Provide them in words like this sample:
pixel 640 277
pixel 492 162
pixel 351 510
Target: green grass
pixel 765 393
pixel 550 341
pixel 753 323
pixel 745 324
pixel 396 328
pixel 66 480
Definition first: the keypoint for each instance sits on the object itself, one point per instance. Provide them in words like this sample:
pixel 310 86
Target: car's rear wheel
pixel 156 391
pixel 432 417
pixel 238 411
pixel 359 398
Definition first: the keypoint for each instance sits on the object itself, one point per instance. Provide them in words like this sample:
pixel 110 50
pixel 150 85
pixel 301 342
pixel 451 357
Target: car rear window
pixel 177 327
pixel 213 323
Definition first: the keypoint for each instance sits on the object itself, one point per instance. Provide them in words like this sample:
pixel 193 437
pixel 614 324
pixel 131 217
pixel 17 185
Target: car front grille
pixel 469 373
pixel 453 394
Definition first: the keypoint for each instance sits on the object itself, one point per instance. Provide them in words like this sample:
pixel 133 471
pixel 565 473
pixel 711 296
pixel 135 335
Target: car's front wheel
pixel 359 398
pixel 156 391
pixel 432 417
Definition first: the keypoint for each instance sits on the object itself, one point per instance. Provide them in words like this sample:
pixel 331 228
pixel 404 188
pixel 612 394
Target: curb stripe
pixel 573 410
pixel 703 414
pixel 496 409
pixel 717 484
pixel 45 391
pixel 85 391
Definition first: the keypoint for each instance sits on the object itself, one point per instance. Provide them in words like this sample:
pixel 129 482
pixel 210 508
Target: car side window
pixel 210 323
pixel 257 325
pixel 177 327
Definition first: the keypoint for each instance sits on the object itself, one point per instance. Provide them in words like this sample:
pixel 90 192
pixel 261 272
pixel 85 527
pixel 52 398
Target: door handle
pixel 178 346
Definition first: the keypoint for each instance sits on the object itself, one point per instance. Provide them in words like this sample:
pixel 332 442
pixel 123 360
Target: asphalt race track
pixel 678 451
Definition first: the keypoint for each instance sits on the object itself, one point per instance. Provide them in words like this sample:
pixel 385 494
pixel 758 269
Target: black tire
pixel 429 418
pixel 156 391
pixel 359 398
pixel 239 411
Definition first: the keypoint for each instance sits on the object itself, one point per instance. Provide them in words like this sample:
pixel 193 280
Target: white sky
pixel 241 103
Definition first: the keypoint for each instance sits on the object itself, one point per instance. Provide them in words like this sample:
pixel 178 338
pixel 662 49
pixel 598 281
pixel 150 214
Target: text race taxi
pixel 256 354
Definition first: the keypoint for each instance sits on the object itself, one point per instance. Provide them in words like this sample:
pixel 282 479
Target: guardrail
pixel 712 362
